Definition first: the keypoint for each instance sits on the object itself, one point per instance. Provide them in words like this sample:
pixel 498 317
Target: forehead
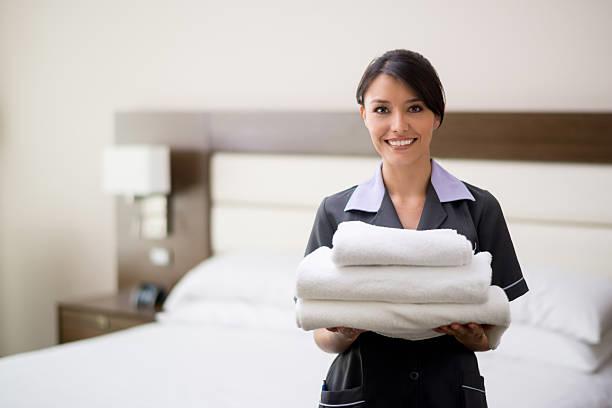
pixel 389 88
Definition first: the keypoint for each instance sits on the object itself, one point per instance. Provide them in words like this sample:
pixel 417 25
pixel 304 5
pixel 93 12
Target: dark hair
pixel 411 68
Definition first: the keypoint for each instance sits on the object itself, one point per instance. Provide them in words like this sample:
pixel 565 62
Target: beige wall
pixel 66 66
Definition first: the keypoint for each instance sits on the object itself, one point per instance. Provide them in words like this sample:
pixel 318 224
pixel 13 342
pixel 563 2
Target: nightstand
pixel 91 317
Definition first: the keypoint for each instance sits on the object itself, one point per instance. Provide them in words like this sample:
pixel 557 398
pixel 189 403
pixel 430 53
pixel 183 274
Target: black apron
pixel 379 371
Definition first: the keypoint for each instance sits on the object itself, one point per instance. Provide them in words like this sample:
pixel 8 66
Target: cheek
pixel 377 130
pixel 426 126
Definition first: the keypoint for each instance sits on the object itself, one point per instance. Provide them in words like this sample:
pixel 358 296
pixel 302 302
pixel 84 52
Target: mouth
pixel 401 143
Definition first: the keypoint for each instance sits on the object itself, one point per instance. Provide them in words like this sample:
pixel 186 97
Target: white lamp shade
pixel 137 170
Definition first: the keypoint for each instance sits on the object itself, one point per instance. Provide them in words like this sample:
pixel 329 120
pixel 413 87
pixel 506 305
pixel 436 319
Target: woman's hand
pixel 336 339
pixel 471 335
pixel 350 335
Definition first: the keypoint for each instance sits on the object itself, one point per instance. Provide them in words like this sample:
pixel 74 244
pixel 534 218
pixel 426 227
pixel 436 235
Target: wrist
pixel 331 341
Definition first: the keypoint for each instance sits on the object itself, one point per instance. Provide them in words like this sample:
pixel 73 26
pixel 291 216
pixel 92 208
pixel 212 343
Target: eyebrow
pixel 407 100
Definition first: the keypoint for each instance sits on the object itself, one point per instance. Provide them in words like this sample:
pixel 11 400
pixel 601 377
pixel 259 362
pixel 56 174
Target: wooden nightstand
pixel 86 318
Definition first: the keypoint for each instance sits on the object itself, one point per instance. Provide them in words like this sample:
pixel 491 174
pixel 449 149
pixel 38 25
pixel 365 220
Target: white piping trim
pixel 342 405
pixel 512 284
pixel 472 388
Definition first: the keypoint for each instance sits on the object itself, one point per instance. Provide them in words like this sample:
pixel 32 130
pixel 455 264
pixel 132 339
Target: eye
pixel 415 109
pixel 381 109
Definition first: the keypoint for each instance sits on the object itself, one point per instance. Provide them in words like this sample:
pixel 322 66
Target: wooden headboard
pixel 194 136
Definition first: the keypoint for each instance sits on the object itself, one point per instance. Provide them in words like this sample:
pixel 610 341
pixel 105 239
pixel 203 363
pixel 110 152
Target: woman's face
pixel 400 125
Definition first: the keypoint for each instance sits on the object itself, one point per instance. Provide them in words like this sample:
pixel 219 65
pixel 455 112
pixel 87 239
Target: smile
pixel 400 142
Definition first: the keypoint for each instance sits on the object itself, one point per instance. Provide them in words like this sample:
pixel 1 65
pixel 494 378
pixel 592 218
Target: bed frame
pixel 254 179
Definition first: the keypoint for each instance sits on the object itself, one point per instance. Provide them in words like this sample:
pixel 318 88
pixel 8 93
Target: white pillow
pixel 535 344
pixel 576 305
pixel 255 278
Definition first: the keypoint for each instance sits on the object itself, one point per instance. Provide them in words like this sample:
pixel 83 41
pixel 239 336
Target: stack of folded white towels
pixel 399 283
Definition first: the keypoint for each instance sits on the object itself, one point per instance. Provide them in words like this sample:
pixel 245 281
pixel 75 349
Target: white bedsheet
pixel 169 365
pixel 512 383
pixel 188 365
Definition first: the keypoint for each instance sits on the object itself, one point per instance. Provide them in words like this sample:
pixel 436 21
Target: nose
pixel 400 123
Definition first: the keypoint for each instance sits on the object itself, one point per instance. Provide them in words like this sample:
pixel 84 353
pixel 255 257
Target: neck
pixel 407 182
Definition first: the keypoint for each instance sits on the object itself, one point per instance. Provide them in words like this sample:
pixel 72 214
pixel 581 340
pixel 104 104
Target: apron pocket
pixel 474 392
pixel 351 397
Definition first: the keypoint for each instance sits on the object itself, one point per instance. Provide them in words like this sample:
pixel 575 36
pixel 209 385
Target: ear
pixel 362 112
pixel 437 122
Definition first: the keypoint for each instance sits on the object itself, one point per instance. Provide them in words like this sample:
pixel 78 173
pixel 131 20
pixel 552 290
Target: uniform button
pixel 414 375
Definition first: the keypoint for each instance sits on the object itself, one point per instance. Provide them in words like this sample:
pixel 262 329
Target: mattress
pixel 193 365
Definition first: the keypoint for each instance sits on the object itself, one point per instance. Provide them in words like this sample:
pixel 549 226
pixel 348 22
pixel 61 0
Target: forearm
pixel 331 342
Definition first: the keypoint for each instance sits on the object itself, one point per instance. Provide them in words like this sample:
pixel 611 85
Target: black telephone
pixel 148 296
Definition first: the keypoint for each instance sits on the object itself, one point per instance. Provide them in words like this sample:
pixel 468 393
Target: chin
pixel 396 160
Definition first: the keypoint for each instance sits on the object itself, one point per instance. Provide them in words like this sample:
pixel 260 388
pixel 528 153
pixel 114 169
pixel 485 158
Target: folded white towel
pixel 405 320
pixel 359 243
pixel 318 277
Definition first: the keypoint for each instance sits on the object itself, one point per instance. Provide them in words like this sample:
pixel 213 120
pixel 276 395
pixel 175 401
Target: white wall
pixel 66 66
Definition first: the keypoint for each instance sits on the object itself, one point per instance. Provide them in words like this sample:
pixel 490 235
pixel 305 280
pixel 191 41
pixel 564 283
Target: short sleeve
pixel 494 237
pixel 322 231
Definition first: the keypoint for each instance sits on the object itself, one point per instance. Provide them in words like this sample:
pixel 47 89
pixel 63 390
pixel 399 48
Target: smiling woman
pixel 400 123
pixel 401 102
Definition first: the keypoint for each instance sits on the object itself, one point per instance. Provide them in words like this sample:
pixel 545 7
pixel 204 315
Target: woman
pixel 401 102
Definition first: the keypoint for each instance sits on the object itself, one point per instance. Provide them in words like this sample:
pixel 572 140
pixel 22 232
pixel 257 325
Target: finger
pixel 452 327
pixel 351 334
pixel 479 334
pixel 476 330
pixel 451 332
pixel 347 331
pixel 460 330
pixel 357 332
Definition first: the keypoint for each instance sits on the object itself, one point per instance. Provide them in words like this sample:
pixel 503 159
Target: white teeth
pixel 401 142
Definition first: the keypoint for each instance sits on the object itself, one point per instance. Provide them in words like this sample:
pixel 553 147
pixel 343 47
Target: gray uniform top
pixel 379 371
pixel 449 203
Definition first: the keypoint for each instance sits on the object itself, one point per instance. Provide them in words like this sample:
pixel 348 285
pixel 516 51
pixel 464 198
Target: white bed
pixel 244 349
pixel 187 365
